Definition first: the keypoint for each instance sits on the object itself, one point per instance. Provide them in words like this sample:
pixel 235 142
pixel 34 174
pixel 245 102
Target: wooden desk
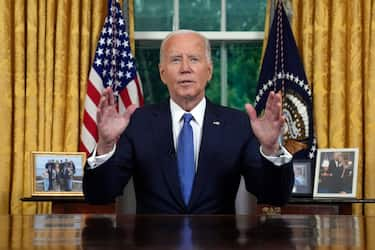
pixel 300 205
pixel 333 206
pixel 71 231
pixel 72 205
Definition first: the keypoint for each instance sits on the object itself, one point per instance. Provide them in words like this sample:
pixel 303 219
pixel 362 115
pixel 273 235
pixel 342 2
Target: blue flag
pixel 282 70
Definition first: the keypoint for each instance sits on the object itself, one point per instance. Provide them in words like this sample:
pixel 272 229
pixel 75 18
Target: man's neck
pixel 188 104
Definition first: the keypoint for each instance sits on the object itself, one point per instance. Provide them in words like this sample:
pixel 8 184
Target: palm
pixel 110 122
pixel 268 127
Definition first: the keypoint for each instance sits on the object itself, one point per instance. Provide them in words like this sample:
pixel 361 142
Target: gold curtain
pixel 336 40
pixel 47 48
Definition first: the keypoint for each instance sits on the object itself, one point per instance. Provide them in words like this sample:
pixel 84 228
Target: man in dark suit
pixel 227 143
pixel 336 169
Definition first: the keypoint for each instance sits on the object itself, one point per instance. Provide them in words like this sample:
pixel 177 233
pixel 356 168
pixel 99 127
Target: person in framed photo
pixel 67 175
pixel 51 174
pixel 335 168
pixel 300 179
pixel 347 176
pixel 324 177
pixel 45 178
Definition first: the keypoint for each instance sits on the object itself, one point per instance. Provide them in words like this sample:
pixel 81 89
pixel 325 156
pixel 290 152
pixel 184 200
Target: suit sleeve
pixel 104 183
pixel 271 184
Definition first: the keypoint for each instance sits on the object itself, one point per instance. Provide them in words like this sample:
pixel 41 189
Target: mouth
pixel 185 82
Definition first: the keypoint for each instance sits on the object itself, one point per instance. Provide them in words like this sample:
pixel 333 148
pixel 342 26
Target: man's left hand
pixel 267 128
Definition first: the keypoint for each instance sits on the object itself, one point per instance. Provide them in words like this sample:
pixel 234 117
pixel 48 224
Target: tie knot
pixel 187 117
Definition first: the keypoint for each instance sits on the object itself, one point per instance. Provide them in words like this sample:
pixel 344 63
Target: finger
pixel 279 100
pixel 275 106
pixel 99 115
pixel 251 112
pixel 103 102
pixel 111 97
pixel 270 109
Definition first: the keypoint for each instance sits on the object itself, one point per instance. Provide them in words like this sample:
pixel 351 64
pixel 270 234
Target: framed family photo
pixel 57 173
pixel 336 172
pixel 302 178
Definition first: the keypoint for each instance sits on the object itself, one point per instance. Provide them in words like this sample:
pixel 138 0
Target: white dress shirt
pixel 197 124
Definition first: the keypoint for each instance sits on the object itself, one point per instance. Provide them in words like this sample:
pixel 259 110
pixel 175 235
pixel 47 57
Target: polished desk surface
pixel 187 232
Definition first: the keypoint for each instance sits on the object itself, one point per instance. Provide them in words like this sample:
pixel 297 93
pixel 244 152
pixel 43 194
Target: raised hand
pixel 267 128
pixel 110 123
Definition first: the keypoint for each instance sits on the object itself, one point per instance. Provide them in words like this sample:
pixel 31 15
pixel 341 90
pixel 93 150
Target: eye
pixel 194 59
pixel 175 59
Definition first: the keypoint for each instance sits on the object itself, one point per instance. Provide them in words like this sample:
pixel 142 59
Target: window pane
pixel 147 55
pixel 245 15
pixel 213 89
pixel 243 70
pixel 151 15
pixel 202 15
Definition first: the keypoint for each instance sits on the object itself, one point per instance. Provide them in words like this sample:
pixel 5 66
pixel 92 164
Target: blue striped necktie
pixel 185 158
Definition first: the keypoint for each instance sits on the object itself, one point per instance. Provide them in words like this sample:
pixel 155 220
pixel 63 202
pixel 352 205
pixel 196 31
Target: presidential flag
pixel 113 66
pixel 282 70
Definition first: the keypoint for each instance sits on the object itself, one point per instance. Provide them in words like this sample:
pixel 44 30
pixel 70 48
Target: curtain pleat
pixel 6 102
pixel 369 92
pixel 19 102
pixel 320 71
pixel 354 89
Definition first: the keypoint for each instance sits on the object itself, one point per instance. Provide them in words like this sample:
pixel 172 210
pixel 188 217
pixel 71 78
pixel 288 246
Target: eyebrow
pixel 180 55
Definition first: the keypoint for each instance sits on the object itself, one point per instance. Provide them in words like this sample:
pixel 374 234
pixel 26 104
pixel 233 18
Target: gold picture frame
pixel 57 173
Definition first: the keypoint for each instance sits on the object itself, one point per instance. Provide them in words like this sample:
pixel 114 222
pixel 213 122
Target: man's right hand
pixel 110 123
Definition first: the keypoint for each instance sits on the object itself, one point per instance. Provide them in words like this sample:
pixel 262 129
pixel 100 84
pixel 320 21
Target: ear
pixel 209 72
pixel 162 73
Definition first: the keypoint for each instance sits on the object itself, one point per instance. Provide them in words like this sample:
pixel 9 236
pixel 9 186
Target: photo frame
pixel 57 173
pixel 336 172
pixel 303 178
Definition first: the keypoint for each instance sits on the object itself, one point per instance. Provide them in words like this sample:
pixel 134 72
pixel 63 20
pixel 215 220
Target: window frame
pixel 222 37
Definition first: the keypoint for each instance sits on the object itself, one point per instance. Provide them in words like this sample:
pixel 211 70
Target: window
pixel 235 29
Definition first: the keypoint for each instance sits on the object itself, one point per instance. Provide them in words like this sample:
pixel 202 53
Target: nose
pixel 185 66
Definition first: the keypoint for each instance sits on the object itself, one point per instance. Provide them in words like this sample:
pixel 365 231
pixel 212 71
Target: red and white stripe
pixel 132 94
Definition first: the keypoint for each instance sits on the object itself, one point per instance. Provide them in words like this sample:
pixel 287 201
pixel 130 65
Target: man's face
pixel 338 156
pixel 185 68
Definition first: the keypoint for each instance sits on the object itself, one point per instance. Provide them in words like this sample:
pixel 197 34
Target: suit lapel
pixel 163 135
pixel 212 128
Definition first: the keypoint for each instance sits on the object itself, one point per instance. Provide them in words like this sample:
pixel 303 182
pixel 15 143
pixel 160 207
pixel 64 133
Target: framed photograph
pixel 57 173
pixel 336 173
pixel 302 178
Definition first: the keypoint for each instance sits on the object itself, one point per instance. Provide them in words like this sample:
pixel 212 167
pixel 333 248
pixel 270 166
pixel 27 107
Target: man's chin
pixel 188 97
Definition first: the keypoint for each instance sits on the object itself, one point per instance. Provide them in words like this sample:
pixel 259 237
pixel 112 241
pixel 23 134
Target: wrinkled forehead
pixel 188 43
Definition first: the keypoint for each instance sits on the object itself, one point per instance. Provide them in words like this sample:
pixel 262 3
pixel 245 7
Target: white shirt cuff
pixel 284 157
pixel 95 161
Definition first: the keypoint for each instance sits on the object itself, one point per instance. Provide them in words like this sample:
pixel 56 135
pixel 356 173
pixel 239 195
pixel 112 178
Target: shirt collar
pixel 197 112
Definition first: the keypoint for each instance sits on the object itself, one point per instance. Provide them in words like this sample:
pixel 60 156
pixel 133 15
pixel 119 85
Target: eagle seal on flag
pixel 282 70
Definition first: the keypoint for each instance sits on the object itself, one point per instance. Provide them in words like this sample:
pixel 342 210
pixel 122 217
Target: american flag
pixel 113 66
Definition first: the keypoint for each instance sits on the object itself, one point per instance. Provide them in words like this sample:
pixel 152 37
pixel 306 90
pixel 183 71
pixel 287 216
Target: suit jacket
pixel 228 150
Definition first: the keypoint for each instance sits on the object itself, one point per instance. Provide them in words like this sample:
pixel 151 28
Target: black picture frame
pixel 303 178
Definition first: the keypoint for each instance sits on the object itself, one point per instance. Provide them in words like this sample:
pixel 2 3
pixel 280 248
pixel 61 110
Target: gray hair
pixel 177 32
